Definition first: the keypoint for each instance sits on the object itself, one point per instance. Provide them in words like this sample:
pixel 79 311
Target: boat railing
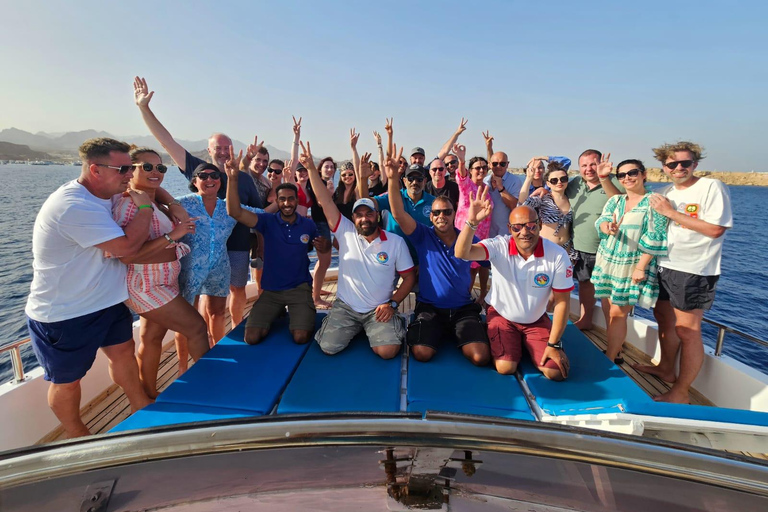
pixel 14 350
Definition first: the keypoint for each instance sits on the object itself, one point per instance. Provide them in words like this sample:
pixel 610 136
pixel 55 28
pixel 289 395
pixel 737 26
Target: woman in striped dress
pixel 632 235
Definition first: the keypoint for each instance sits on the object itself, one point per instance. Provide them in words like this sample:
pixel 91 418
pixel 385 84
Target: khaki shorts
pixel 343 323
pixel 301 309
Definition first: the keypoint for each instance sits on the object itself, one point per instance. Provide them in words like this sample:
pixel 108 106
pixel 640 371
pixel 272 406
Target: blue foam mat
pixel 162 414
pixel 355 379
pixel 235 375
pixel 594 386
pixel 698 412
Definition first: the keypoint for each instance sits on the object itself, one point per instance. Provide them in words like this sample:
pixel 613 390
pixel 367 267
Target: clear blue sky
pixel 551 77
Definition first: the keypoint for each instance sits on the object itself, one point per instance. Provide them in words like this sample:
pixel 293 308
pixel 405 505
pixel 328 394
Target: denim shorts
pixel 343 323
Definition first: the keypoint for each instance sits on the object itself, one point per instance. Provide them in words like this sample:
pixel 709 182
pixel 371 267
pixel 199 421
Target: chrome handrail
pixel 16 363
pixel 722 329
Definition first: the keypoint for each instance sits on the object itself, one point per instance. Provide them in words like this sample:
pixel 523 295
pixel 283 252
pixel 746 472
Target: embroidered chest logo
pixel 427 210
pixel 382 257
pixel 540 280
pixel 304 238
pixel 569 271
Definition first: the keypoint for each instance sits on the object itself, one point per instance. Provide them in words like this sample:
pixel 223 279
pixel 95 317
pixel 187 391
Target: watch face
pixel 393 304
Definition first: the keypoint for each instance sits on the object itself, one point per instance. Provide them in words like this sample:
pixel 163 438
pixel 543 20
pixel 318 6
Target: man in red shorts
pixel 526 269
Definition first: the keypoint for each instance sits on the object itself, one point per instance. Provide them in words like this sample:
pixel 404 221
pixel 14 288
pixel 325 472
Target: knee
pixel 387 351
pixel 301 337
pixel 688 334
pixel 422 353
pixel 480 358
pixel 551 373
pixel 506 367
pixel 254 336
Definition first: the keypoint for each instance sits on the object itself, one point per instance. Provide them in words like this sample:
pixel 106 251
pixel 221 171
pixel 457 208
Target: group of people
pixel 115 239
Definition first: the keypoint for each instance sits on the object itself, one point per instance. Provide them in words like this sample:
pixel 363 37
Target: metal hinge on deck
pixel 96 497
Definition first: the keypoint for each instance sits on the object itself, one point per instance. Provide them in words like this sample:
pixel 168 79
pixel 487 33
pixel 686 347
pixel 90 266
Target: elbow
pixel 718 231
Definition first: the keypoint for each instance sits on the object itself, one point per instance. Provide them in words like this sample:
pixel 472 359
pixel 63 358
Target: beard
pixel 366 228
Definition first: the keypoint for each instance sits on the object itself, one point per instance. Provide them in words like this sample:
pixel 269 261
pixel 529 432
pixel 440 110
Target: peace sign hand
pixel 488 138
pixel 391 166
pixel 365 166
pixel 377 136
pixel 232 165
pixel 252 150
pixel 296 127
pixel 462 126
pixel 605 166
pixel 388 126
pixel 353 136
pixel 305 158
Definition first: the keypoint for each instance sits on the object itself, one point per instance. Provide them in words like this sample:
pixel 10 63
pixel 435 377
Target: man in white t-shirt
pixel 526 269
pixel 699 212
pixel 369 260
pixel 75 305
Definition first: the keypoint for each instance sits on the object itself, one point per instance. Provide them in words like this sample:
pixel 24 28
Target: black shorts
pixel 687 291
pixel 584 266
pixel 432 325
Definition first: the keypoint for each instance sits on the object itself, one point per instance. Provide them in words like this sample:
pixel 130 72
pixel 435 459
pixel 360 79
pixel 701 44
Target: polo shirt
pixel 419 210
pixel 500 212
pixel 240 239
pixel 520 288
pixel 444 279
pixel 587 206
pixel 286 263
pixel 367 270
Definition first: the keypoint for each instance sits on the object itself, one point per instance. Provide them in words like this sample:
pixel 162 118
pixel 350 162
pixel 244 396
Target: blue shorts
pixel 66 350
pixel 324 230
pixel 239 263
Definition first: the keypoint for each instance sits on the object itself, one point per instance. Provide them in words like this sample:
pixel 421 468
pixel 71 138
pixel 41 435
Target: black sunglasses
pixel 446 211
pixel 275 171
pixel 122 169
pixel 632 174
pixel 215 175
pixel 437 169
pixel 418 179
pixel 148 167
pixel 561 179
pixel 684 163
pixel 452 162
pixel 499 164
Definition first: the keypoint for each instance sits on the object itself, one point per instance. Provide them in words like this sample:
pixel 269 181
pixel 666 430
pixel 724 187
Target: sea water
pixel 741 302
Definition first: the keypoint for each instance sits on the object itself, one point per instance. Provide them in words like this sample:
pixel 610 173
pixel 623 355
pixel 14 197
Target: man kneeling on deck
pixel 526 268
pixel 288 237
pixel 368 261
pixel 443 303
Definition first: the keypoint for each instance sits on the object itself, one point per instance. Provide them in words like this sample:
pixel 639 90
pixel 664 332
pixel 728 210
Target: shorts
pixel 343 323
pixel 66 350
pixel 301 309
pixel 507 338
pixel 686 291
pixel 323 229
pixel 239 263
pixel 152 285
pixel 585 264
pixel 431 325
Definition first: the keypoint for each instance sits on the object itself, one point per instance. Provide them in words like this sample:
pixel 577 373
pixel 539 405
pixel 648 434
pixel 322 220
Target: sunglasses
pixel 481 168
pixel 632 174
pixel 516 228
pixel 454 162
pixel 215 175
pixel 122 169
pixel 275 171
pixel 148 167
pixel 561 179
pixel 417 179
pixel 437 169
pixel 684 163
pixel 499 164
pixel 447 212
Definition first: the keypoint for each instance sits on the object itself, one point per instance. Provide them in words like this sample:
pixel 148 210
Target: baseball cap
pixel 204 167
pixel 419 151
pixel 416 168
pixel 364 202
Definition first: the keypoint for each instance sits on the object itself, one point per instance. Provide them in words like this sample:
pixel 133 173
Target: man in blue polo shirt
pixel 288 237
pixel 444 305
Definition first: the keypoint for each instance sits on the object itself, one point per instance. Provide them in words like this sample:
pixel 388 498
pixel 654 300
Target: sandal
pixel 619 360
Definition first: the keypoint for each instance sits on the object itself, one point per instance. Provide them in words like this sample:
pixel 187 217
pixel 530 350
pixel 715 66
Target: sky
pixel 554 77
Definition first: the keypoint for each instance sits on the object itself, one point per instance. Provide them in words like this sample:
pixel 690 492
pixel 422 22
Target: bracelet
pixel 175 202
pixel 145 206
pixel 502 190
pixel 170 240
pixel 473 227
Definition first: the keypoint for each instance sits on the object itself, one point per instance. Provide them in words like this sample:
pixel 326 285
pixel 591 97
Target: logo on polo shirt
pixel 304 238
pixel 382 257
pixel 540 280
pixel 569 271
pixel 427 210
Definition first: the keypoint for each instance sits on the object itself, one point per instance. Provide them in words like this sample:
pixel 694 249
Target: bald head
pixel 499 163
pixel 523 214
pixel 218 148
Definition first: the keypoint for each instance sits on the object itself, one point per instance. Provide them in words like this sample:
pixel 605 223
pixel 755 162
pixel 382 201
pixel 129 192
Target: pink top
pixel 462 210
pixel 124 210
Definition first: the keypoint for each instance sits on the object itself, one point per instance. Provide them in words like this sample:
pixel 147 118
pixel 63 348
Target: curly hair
pixel 667 151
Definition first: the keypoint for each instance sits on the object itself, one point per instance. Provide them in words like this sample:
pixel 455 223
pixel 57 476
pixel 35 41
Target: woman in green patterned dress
pixel 631 234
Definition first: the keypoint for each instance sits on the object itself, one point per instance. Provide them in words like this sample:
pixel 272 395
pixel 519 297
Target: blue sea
pixel 742 297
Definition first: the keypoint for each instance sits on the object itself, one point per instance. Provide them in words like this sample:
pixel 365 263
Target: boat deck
pixel 111 407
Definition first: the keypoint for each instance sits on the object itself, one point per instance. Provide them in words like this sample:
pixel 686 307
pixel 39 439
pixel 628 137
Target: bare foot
pixel 322 304
pixel 652 369
pixel 673 396
pixel 583 324
pixel 325 292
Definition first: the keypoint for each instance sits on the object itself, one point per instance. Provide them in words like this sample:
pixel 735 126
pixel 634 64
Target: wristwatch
pixel 170 240
pixel 393 304
pixel 558 345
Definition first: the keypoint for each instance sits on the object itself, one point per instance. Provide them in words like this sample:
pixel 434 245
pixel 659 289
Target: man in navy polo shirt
pixel 288 238
pixel 443 303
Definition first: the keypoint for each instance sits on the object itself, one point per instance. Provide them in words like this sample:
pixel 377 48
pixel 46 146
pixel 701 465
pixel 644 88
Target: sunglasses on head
pixel 684 163
pixel 438 169
pixel 148 167
pixel 446 211
pixel 122 169
pixel 499 164
pixel 631 173
pixel 417 179
pixel 516 228
pixel 275 171
pixel 215 175
pixel 561 179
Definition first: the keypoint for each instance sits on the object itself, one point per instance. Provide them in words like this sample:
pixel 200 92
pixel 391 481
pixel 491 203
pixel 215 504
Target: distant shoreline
pixel 750 179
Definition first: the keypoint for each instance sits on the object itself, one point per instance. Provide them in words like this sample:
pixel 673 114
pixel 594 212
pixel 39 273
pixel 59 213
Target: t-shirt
pixel 367 270
pixel 500 212
pixel 688 250
pixel 286 262
pixel 420 211
pixel 239 240
pixel 450 190
pixel 587 205
pixel 520 288
pixel 378 188
pixel 444 279
pixel 72 277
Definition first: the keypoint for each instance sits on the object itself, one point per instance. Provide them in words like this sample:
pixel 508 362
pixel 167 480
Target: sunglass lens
pixel 125 168
pixel 161 168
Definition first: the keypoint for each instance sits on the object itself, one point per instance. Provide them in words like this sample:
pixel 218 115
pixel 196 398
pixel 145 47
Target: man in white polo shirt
pixel 526 269
pixel 369 259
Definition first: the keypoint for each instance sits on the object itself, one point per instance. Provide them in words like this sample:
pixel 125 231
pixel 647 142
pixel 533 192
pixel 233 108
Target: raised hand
pixel 462 126
pixel 288 171
pixel 305 158
pixel 232 165
pixel 252 150
pixel 480 205
pixel 460 150
pixel 497 182
pixel 388 126
pixel 353 136
pixel 392 164
pixel 610 228
pixel 296 128
pixel 605 166
pixel 377 136
pixel 365 167
pixel 488 138
pixel 141 94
